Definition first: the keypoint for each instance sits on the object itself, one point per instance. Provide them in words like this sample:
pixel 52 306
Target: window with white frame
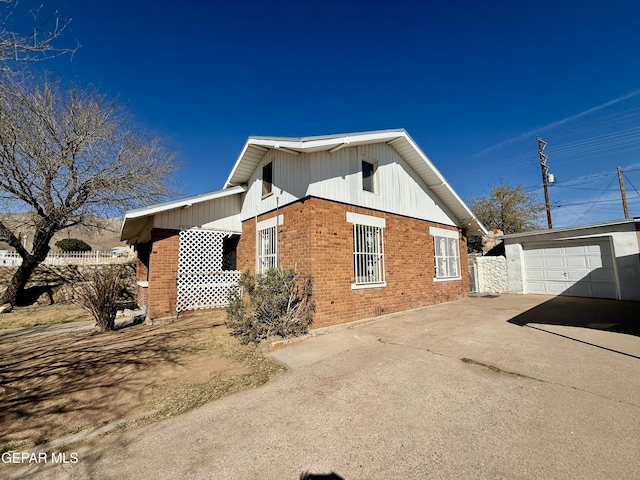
pixel 446 253
pixel 368 250
pixel 267 244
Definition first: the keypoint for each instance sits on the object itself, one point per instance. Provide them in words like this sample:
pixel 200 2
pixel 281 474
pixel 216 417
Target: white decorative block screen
pixel 202 282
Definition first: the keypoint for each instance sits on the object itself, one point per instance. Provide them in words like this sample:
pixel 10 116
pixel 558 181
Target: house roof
pixel 135 220
pixel 255 148
pixel 572 229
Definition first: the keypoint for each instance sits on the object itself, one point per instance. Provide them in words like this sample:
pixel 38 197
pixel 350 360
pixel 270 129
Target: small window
pixel 447 259
pixel 368 176
pixel 267 179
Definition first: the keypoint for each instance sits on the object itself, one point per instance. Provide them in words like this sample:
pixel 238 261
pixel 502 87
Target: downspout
pixel 277 234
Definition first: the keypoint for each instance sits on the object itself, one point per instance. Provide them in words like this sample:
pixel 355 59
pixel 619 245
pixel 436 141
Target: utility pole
pixel 545 172
pixel 622 192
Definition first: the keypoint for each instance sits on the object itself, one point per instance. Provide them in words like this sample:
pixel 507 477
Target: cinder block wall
pixel 163 273
pixel 316 237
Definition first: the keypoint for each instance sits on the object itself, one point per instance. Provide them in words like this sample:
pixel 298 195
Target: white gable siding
pixel 220 214
pixel 337 177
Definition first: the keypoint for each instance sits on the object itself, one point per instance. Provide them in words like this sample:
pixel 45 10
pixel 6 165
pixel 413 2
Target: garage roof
pixel 541 233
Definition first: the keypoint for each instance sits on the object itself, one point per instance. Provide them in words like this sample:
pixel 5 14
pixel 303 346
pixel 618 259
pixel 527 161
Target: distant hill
pixel 102 239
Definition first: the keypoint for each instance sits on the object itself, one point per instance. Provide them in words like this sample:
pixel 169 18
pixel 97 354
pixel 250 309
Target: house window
pixel 267 179
pixel 267 244
pixel 368 250
pixel 446 253
pixel 368 176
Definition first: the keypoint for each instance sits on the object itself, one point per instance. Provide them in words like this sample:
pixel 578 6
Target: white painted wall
pixel 219 214
pixel 515 266
pixel 337 177
pixel 626 248
pixel 492 274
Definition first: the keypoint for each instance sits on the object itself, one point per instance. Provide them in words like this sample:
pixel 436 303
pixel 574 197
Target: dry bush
pixel 279 305
pixel 100 295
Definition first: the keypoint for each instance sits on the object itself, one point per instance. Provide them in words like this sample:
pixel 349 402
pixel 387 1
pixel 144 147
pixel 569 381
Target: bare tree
pixel 42 42
pixel 65 158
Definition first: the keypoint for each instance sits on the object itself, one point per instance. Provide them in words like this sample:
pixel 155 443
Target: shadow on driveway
pixel 593 313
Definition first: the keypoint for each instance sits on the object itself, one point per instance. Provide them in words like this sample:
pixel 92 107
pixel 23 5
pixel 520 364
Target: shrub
pixel 73 245
pixel 100 295
pixel 279 305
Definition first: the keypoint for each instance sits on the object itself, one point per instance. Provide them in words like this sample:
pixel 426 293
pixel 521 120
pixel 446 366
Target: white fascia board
pixel 442 183
pixel 538 233
pixel 227 184
pixel 328 142
pixel 183 202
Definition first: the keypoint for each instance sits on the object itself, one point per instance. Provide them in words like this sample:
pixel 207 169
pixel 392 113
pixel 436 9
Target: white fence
pixel 12 259
pixel 489 274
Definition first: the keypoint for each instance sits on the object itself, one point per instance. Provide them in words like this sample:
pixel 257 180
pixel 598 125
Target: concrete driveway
pixel 453 391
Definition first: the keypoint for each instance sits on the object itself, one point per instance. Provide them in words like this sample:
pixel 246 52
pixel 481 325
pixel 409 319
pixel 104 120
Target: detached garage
pixel 600 260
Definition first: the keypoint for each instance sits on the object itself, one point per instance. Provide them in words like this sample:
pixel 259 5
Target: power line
pixel 591 202
pixel 589 209
pixel 632 184
pixel 577 188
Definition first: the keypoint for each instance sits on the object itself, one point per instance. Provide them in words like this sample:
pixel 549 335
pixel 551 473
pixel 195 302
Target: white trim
pixel 447 279
pixel 441 232
pixel 570 229
pixel 286 150
pixel 270 222
pixel 360 286
pixel 368 220
pixel 184 202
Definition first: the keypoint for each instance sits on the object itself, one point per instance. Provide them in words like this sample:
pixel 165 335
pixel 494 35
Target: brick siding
pixel 163 273
pixel 316 238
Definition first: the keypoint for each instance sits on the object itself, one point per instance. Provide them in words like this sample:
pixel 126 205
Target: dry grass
pixel 42 315
pixel 55 385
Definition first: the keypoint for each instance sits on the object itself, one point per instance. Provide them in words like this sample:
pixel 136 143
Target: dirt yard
pixel 54 385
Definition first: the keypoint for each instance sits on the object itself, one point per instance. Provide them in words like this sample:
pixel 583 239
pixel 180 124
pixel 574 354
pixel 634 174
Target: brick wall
pixel 316 238
pixel 142 273
pixel 163 273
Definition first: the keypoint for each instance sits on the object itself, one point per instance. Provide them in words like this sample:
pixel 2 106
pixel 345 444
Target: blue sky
pixel 472 82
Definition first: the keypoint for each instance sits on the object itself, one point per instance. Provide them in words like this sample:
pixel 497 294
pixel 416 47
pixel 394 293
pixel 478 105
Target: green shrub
pixel 73 245
pixel 279 305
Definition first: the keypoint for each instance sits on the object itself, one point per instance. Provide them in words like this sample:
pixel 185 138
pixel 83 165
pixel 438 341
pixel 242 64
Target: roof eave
pixel 135 220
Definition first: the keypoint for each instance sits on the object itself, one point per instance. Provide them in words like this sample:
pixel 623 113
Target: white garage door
pixel 577 268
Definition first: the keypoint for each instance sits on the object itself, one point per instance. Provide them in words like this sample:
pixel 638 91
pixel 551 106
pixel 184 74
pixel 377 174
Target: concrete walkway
pixel 136 317
pixel 489 388
pixel 50 329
